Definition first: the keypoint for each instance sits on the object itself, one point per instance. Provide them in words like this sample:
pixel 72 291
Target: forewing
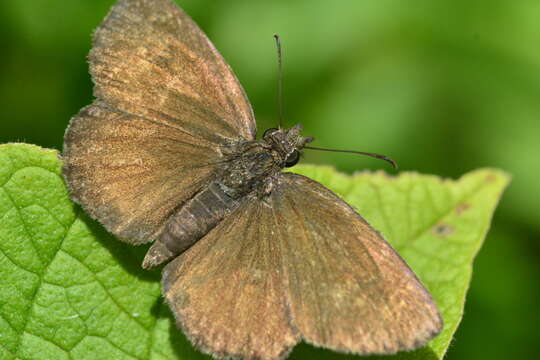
pixel 150 59
pixel 166 102
pixel 227 290
pixel 131 173
pixel 348 290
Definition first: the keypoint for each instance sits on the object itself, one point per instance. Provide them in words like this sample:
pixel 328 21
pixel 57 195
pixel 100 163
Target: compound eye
pixel 268 132
pixel 292 159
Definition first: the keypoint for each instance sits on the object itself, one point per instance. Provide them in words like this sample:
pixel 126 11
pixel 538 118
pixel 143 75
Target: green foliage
pixel 69 290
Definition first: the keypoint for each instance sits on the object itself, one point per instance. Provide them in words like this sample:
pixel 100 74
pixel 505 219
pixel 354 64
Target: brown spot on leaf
pixel 443 230
pixel 462 208
pixel 490 178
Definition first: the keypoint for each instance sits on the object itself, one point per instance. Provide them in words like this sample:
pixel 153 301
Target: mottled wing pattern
pixel 298 264
pixel 166 101
pixel 129 173
pixel 227 290
pixel 150 59
pixel 348 290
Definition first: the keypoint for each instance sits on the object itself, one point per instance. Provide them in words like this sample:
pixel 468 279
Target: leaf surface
pixel 69 290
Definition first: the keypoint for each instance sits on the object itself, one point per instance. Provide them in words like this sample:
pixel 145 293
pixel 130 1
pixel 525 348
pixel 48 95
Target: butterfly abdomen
pixel 191 222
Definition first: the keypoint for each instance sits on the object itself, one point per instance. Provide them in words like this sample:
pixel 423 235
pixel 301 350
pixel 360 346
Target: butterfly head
pixel 287 143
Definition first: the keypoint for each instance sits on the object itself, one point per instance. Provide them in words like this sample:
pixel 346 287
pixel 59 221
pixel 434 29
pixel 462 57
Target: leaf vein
pixel 107 292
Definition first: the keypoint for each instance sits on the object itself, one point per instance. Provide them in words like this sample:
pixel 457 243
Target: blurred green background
pixel 442 86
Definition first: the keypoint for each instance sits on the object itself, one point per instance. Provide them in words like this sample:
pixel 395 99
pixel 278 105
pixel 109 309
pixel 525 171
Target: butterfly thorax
pixel 251 168
pixel 252 165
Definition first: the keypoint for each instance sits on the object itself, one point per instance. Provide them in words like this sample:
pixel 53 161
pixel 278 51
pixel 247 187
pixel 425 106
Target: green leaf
pixel 69 290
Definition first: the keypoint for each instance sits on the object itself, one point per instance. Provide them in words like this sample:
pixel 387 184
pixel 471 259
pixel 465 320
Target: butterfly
pixel 257 260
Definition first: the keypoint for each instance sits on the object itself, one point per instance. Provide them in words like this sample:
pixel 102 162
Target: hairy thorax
pixel 250 168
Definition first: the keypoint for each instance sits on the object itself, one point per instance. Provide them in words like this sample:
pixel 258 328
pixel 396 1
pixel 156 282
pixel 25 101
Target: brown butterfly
pixel 258 260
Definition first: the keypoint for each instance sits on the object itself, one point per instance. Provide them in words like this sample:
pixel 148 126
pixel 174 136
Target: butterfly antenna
pixel 377 156
pixel 280 80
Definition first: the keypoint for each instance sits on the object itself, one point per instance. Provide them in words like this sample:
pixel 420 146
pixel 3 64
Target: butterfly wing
pixel 130 173
pixel 227 290
pixel 348 290
pixel 300 263
pixel 166 101
pixel 150 59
